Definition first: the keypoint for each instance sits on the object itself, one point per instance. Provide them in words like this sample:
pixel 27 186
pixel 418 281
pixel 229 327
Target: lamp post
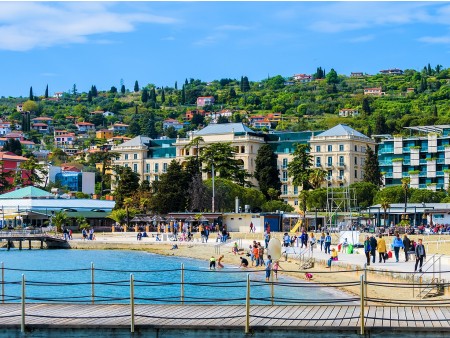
pixel 213 188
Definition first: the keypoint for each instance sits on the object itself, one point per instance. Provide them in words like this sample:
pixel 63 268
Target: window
pixel 285 176
pixel 341 174
pixel 356 148
pixel 317 149
pixel 134 156
pixel 341 147
pixel 135 168
pixel 295 190
pixel 126 156
pixel 329 174
pixel 126 165
pixel 147 178
pixel 329 161
pixel 341 160
pixel 356 160
pixel 356 173
pixel 363 160
pixel 295 202
pixel 285 163
pixel 285 189
pixel 318 160
pixel 164 167
pixel 147 168
pixel 363 149
pixel 330 148
pixel 156 178
pixel 156 167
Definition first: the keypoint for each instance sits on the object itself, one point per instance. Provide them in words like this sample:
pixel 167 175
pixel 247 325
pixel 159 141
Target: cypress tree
pixel 122 89
pixel 89 98
pixel 144 96
pixel 136 86
pixel 31 93
pixel 163 96
pixel 176 85
pixel 266 171
pixel 186 82
pixel 371 168
pixel 183 96
pixel 46 92
pixel 241 87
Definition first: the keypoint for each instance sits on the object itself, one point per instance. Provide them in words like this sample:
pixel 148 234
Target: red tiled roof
pixel 84 124
pixel 11 156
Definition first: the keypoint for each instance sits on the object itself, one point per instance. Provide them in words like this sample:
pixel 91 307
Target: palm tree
pixel 144 203
pixel 405 185
pixel 118 215
pixel 317 177
pixel 127 203
pixel 59 219
pixel 384 203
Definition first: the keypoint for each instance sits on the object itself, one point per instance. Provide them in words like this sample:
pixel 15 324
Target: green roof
pixel 27 192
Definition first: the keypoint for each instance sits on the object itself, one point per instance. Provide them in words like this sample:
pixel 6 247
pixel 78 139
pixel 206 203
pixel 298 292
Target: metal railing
pixel 425 288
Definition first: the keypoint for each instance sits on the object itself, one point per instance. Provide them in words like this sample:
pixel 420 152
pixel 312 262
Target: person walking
pixel 406 247
pixel 367 249
pixel 327 243
pixel 266 238
pixel 373 247
pixel 322 240
pixel 420 255
pixel 397 244
pixel 268 267
pixel 382 250
pixel 312 241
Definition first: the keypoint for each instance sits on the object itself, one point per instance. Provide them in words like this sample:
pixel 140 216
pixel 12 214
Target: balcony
pixel 340 178
pixel 341 165
pixel 406 150
pixel 328 165
pixel 388 175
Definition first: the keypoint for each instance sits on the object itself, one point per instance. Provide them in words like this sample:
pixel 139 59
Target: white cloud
pixel 363 38
pixel 435 39
pixel 28 25
pixel 210 40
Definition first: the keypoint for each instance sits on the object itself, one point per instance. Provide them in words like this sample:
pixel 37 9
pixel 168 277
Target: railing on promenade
pixel 251 289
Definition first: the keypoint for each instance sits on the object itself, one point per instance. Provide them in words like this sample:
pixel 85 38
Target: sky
pixel 103 43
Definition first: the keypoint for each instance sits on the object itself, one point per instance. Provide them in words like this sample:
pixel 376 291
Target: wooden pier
pixel 50 241
pixel 282 318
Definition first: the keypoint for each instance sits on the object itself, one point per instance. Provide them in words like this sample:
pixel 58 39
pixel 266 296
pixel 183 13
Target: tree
pixel 176 85
pixel 31 94
pixel 221 155
pixel 74 89
pixel 384 203
pixel 364 193
pixel 118 215
pixel 380 125
pixel 332 77
pixel 366 106
pixel 271 206
pixel 144 95
pixel 30 106
pixel 34 172
pixel 183 95
pixel 266 170
pixel 94 91
pixel 163 96
pixel 127 203
pixel 317 177
pixel 405 186
pixel 371 168
pixel 89 98
pixel 144 203
pixel 5 178
pixel 122 89
pixel 245 87
pixel 105 158
pixel 136 86
pixel 299 167
pixel 46 92
pixel 14 146
pixel 113 90
pixel 167 195
pixel 127 184
pixel 195 142
pixel 199 198
pixel 59 219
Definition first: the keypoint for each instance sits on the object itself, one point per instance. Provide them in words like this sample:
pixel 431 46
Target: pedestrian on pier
pixel 397 244
pixel 373 247
pixel 382 250
pixel 327 243
pixel 322 241
pixel 420 255
pixel 367 249
pixel 406 247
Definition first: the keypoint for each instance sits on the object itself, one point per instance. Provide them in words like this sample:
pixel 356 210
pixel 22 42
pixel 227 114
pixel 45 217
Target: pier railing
pixel 253 289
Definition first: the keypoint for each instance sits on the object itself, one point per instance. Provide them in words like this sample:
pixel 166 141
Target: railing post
pixel 247 306
pixel 272 291
pixel 182 284
pixel 132 303
pixel 362 305
pixel 22 317
pixel 365 282
pixel 92 284
pixel 3 283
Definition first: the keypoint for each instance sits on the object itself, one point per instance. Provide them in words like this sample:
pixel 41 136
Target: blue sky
pixel 100 43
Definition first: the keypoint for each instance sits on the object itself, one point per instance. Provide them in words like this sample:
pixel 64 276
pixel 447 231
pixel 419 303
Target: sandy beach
pixel 342 272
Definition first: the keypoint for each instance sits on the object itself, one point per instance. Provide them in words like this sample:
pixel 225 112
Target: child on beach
pixel 275 268
pixel 308 276
pixel 235 248
pixel 219 262
pixel 212 263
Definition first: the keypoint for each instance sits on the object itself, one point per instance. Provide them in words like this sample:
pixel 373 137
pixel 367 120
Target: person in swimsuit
pixel 219 262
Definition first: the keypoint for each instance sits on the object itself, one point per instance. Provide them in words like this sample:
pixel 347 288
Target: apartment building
pixel 424 157
pixel 339 150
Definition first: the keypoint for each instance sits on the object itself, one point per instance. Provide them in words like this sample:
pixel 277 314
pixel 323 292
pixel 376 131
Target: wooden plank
pixel 341 314
pixel 401 316
pixel 261 310
pixel 440 314
pixel 394 322
pixel 328 315
pixel 305 314
pixel 378 322
pixel 282 311
pixel 311 317
pixel 156 310
pixel 370 313
pixel 295 313
pixel 425 316
pixel 351 311
pixel 414 320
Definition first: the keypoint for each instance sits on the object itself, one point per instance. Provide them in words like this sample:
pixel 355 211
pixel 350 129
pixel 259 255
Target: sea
pixel 53 276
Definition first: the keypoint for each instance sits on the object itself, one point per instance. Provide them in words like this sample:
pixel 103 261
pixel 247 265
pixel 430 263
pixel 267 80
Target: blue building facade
pixel 424 157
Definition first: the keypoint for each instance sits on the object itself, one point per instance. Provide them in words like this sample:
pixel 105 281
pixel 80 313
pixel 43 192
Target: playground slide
pixel 297 225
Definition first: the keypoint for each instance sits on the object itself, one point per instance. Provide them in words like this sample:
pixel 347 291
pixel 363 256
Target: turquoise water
pixel 222 286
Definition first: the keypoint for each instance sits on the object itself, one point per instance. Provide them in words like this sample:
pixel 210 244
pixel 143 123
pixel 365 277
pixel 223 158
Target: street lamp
pixel 213 188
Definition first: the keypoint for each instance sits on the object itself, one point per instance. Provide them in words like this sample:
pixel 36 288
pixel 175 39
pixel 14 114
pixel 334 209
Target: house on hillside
pixel 356 74
pixel 303 78
pixel 392 71
pixel 104 134
pixel 347 112
pixel 172 123
pixel 19 107
pixel 119 127
pixel 205 101
pixel 5 127
pixel 84 127
pixel 376 91
pixel 190 113
pixel 40 127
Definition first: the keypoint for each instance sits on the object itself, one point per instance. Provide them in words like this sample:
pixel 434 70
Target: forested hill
pixel 413 98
